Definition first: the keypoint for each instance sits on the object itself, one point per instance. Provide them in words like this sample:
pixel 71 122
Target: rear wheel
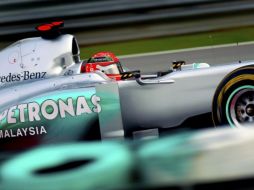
pixel 233 102
pixel 240 106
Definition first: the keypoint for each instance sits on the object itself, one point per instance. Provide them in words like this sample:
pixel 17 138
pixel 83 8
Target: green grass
pixel 173 42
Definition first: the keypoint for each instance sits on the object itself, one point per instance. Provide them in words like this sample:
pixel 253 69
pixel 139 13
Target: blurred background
pixel 130 27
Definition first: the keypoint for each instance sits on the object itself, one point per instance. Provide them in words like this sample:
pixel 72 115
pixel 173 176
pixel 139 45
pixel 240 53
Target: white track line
pixel 186 50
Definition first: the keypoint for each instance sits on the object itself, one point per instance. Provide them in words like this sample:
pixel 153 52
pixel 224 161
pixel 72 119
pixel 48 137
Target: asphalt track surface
pixel 213 55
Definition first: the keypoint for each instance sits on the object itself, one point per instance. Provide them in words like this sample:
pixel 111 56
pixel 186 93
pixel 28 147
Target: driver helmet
pixel 105 62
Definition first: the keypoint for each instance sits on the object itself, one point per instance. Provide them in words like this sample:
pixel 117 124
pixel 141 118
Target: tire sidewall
pixel 243 76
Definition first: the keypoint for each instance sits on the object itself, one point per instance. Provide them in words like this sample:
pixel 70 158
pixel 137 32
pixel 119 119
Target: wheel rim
pixel 240 107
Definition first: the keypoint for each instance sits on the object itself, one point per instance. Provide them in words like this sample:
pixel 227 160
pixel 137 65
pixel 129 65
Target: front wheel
pixel 240 107
pixel 233 102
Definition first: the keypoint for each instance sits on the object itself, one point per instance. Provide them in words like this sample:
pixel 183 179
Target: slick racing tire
pixel 197 157
pixel 68 167
pixel 233 102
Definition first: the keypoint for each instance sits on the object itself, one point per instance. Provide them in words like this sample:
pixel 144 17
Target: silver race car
pixel 49 95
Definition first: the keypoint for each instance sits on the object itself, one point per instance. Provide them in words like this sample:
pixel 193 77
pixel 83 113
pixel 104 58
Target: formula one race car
pixel 60 103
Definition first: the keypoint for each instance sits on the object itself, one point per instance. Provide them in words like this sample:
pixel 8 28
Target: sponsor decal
pixel 100 59
pixel 22 132
pixel 47 110
pixel 25 75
